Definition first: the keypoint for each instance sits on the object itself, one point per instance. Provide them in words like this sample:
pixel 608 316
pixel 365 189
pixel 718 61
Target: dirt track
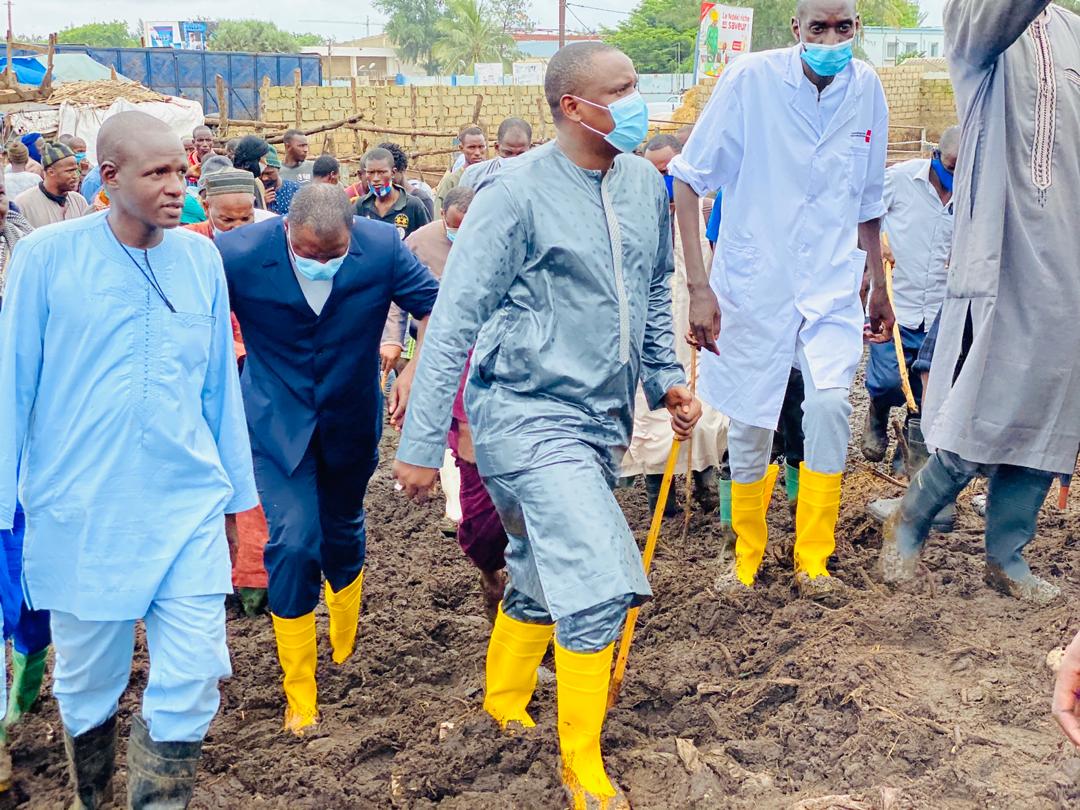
pixel 936 697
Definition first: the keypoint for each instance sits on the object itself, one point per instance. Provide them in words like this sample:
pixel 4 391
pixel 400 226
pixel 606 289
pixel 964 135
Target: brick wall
pixel 442 111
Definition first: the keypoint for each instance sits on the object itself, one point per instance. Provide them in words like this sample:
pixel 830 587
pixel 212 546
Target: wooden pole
pixel 356 111
pixel 298 88
pixel 264 92
pixel 646 561
pixel 905 381
pixel 223 106
pixel 414 111
pixel 9 71
pixel 46 83
pixel 477 107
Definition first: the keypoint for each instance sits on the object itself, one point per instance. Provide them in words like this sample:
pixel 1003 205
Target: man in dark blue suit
pixel 311 294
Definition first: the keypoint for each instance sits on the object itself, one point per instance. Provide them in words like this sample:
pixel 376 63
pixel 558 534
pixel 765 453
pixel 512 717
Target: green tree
pixel 512 15
pixel 468 34
pixel 411 26
pixel 309 40
pixel 891 13
pixel 252 36
pixel 658 35
pixel 99 35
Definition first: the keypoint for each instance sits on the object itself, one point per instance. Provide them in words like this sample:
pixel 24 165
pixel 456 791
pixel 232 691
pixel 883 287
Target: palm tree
pixel 469 34
pixel 412 28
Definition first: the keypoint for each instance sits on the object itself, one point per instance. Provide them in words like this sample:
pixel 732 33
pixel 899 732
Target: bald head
pixel 570 71
pixel 142 168
pixel 116 143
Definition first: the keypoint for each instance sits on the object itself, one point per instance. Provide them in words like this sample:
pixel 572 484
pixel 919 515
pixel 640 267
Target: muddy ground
pixel 937 696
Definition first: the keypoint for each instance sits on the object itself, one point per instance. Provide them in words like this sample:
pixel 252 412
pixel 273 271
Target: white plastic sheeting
pixel 180 114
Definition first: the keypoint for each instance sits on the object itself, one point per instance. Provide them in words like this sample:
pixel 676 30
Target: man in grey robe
pixel 561 277
pixel 1004 393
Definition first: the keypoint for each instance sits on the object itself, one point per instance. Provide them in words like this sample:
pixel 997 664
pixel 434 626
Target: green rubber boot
pixel 791 485
pixel 723 489
pixel 28 671
pixel 253 600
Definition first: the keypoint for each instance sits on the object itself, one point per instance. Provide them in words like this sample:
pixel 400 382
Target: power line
pixel 596 8
pixel 581 22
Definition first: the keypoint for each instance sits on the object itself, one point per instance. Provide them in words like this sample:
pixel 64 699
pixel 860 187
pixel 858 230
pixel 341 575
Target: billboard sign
pixel 723 35
pixel 187 35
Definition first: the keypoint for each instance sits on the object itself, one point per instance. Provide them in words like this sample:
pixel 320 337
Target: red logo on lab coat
pixel 868 133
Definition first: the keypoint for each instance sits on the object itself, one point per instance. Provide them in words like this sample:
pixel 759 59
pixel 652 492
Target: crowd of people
pixel 200 343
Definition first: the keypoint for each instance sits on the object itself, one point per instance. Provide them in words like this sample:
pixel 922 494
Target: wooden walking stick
pixel 905 382
pixel 646 561
pixel 690 455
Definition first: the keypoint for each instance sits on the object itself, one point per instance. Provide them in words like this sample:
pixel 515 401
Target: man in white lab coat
pixel 797 138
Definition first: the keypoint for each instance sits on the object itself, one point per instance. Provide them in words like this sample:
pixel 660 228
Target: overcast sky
pixel 327 17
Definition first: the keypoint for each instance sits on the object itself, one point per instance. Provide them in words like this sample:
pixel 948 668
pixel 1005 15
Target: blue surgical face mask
pixel 828 60
pixel 451 234
pixel 315 270
pixel 80 157
pixel 944 176
pixel 669 181
pixel 631 116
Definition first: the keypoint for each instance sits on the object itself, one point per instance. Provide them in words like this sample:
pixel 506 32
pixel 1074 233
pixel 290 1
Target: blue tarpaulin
pixel 190 74
pixel 28 70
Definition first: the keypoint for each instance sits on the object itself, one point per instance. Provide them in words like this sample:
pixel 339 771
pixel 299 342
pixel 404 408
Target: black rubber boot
pixel 705 493
pixel 652 486
pixel 937 484
pixel 875 437
pixel 1012 507
pixel 91 762
pixel 161 775
pixel 917 452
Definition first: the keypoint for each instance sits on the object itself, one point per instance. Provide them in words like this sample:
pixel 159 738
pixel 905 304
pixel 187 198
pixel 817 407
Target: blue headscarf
pixel 29 141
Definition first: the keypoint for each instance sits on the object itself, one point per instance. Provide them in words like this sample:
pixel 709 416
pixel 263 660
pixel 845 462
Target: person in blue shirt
pixel 126 494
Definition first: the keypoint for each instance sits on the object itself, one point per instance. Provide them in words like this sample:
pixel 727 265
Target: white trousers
pixel 826 427
pixel 188 656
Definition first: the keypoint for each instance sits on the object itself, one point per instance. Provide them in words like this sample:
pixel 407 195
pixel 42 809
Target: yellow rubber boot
pixel 298 652
pixel 344 610
pixel 582 681
pixel 815 521
pixel 749 504
pixel 514 652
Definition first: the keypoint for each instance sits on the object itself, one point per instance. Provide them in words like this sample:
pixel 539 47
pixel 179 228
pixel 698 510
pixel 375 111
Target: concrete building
pixel 371 60
pixel 883 46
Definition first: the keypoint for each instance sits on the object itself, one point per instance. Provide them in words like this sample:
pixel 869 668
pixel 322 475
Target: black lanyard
pixel 151 277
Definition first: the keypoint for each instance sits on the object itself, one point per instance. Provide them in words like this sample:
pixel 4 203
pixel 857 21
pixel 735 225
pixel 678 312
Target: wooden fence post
pixel 223 106
pixel 264 91
pixel 298 89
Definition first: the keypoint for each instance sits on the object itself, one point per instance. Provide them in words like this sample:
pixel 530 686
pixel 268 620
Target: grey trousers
pixel 826 431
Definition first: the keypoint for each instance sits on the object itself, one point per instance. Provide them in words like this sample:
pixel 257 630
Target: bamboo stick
pixel 905 382
pixel 646 561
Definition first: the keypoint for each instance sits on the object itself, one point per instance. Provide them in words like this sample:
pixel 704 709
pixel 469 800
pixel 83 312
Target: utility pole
pixel 562 21
pixel 10 28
